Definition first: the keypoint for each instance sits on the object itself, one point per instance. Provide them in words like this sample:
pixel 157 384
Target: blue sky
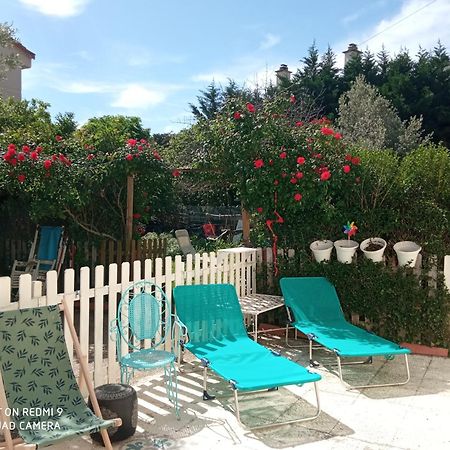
pixel 150 58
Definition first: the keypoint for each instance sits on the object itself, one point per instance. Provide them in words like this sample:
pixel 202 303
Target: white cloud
pixel 58 8
pixel 423 28
pixel 139 97
pixel 270 40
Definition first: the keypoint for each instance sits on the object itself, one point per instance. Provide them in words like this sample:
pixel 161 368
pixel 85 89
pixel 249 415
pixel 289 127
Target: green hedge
pixel 399 304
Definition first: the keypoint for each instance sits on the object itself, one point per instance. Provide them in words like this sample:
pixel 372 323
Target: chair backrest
pixel 209 230
pixel 36 369
pixel 50 239
pixel 144 313
pixel 184 242
pixel 210 312
pixel 312 299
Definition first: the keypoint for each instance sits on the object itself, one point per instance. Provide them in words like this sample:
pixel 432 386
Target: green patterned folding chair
pixel 147 335
pixel 217 337
pixel 314 309
pixel 39 395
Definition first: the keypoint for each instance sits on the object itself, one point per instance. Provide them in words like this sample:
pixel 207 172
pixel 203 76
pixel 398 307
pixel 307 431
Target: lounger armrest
pixel 179 335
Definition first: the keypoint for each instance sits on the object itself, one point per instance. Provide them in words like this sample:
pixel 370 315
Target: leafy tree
pixel 8 59
pixel 65 124
pixel 108 133
pixel 369 120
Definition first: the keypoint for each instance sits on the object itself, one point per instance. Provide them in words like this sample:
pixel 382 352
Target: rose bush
pixel 71 181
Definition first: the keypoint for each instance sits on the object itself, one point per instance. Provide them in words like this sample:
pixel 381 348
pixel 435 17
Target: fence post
pixel 98 326
pixel 25 291
pixel 5 291
pixel 69 296
pixel 84 312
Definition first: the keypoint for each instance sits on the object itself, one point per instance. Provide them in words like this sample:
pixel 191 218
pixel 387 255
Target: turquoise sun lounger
pixel 317 313
pixel 217 337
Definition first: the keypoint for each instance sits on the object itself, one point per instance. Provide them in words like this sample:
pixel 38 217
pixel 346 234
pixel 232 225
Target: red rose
pixel 292 98
pixel 237 115
pixel 348 157
pixel 325 175
pixel 299 123
pixel 90 156
pixel 6 156
pixel 326 131
pixel 283 155
pixel 259 210
pixel 13 161
pixel 176 173
pixel 346 168
pixel 301 160
pixel 284 174
pixel 58 138
pixel 250 107
pixel 39 149
pixel 143 141
pixel 299 175
pixel 258 163
pixel 129 157
pixel 270 162
pixel 26 149
pixel 338 135
pixel 293 180
pixel 54 157
pixel 297 197
pixel 12 148
pixel 47 164
pixel 136 216
pixel 276 182
pixel 21 177
pixel 21 157
pixel 131 142
pixel 156 155
pixel 356 161
pixel 140 148
pixel 34 155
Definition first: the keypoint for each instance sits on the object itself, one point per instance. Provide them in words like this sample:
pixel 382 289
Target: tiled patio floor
pixel 414 416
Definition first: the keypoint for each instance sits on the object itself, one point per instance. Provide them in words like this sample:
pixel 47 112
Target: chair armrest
pixel 290 315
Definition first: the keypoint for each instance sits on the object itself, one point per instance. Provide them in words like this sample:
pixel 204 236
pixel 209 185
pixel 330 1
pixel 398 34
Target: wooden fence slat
pixel 25 299
pixel 69 297
pixel 113 366
pixel 99 375
pixel 5 292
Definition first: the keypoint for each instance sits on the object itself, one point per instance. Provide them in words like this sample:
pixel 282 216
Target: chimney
pixel 351 53
pixel 283 73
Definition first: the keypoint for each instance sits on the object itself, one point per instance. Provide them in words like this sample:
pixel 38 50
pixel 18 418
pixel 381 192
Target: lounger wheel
pixel 117 400
pixel 389 357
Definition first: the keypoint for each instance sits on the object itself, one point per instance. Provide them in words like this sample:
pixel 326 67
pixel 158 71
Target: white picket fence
pixel 96 306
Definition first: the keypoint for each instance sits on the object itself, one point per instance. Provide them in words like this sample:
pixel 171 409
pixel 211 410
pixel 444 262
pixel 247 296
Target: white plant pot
pixel 345 249
pixel 407 252
pixel 375 255
pixel 322 250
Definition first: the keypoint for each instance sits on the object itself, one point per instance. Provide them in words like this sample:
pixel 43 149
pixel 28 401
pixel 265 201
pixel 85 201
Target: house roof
pixel 24 50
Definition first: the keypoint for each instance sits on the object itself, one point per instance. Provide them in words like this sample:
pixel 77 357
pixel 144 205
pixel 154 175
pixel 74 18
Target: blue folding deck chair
pixel 46 253
pixel 217 337
pixel 317 313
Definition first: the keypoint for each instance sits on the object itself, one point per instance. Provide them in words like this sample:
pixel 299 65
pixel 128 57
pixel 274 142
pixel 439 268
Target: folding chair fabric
pixel 317 311
pixel 40 386
pixel 217 334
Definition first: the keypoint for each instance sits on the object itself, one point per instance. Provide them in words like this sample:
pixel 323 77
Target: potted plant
pixel 321 250
pixel 346 248
pixel 407 252
pixel 373 248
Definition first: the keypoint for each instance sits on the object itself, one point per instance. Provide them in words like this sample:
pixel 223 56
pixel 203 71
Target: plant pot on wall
pixel 322 250
pixel 407 252
pixel 373 248
pixel 345 250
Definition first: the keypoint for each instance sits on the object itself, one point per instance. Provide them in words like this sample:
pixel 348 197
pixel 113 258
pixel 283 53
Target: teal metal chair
pixel 217 337
pixel 314 309
pixel 46 253
pixel 147 335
